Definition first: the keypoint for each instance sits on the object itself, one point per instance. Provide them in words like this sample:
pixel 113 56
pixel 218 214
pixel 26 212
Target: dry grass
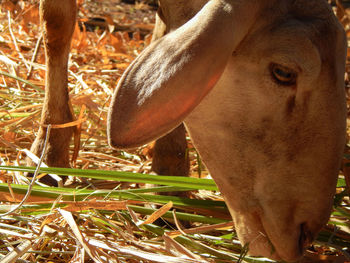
pixel 60 225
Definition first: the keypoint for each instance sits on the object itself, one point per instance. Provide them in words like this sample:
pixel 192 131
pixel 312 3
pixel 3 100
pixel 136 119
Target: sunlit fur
pixel 274 150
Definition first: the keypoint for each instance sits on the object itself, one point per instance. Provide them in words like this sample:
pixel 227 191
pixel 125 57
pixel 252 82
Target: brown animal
pixel 259 85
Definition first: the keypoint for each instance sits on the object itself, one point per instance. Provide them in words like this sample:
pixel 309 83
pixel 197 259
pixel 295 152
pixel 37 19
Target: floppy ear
pixel 171 76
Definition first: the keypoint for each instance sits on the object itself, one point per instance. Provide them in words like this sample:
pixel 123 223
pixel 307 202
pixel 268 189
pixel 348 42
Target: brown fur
pixel 58 22
pixel 273 149
pixel 272 146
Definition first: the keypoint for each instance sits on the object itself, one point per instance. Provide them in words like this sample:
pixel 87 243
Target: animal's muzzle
pixel 305 238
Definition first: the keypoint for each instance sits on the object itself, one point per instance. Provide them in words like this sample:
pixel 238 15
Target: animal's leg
pixel 57 20
pixel 169 156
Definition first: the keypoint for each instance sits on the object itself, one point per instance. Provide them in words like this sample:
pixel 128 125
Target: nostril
pixel 305 237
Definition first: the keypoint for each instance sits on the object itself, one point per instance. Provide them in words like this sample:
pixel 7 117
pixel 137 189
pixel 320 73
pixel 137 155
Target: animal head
pixel 260 87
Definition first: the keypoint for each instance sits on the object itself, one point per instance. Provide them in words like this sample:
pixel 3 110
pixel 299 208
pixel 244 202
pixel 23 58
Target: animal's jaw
pixel 261 241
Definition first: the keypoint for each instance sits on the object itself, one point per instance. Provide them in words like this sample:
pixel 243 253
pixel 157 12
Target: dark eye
pixel 283 75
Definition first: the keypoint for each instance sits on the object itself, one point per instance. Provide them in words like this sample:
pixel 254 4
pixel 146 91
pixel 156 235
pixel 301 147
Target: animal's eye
pixel 283 75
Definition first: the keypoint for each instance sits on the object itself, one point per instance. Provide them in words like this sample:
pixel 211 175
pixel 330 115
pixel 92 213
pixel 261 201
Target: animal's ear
pixel 171 76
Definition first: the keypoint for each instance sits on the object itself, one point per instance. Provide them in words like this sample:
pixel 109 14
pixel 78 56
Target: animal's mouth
pixel 264 247
pixel 288 245
pixel 305 238
pixel 295 244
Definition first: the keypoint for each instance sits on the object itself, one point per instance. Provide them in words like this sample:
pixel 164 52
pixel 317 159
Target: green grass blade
pixel 188 182
pixel 69 194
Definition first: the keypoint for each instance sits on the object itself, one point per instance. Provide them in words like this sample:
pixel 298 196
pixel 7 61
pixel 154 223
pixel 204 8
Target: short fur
pixel 273 147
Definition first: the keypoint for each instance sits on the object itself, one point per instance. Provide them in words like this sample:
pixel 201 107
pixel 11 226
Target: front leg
pixel 170 157
pixel 170 154
pixel 57 20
